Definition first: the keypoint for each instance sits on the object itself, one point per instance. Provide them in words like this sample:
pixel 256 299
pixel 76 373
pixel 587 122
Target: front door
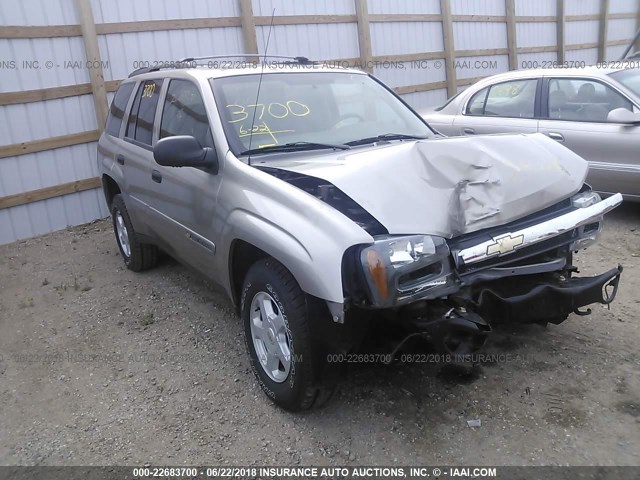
pixel 183 199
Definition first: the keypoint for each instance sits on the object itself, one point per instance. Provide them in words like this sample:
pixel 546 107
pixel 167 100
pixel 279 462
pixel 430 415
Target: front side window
pixel 321 107
pixel 143 112
pixel 184 113
pixel 507 99
pixel 118 106
pixel 582 100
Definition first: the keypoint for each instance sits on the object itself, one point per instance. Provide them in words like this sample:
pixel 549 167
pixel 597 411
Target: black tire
pixel 142 255
pixel 307 383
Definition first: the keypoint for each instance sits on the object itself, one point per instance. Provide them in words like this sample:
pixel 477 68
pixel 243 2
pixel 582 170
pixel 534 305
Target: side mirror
pixel 622 115
pixel 185 151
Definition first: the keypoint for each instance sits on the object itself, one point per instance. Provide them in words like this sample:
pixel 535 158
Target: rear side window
pixel 118 106
pixel 143 112
pixel 184 113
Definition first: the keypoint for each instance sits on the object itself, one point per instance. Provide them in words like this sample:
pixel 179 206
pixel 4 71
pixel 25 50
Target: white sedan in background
pixel 593 111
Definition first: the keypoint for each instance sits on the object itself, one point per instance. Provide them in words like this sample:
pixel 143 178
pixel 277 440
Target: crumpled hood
pixel 451 186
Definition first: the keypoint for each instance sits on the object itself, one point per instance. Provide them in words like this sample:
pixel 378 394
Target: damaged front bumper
pixel 543 298
pixel 464 321
pixel 452 292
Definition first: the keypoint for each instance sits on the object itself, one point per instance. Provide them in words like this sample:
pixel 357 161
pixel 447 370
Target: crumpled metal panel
pixel 452 186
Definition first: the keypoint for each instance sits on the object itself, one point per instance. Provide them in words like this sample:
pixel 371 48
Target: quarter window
pixel 507 99
pixel 578 99
pixel 476 105
pixel 143 111
pixel 184 113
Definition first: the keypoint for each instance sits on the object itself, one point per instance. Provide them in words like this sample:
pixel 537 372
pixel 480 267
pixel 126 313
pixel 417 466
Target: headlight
pixel 407 250
pixel 399 267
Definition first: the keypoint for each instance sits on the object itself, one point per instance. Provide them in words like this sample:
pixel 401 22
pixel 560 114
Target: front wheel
pixel 284 357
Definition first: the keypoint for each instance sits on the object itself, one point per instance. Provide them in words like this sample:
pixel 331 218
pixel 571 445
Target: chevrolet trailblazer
pixel 315 196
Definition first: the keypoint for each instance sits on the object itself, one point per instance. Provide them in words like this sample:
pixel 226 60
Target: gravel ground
pixel 100 366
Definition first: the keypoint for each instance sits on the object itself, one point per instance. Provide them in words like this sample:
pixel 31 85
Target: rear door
pixel 111 142
pixel 575 111
pixel 136 154
pixel 507 107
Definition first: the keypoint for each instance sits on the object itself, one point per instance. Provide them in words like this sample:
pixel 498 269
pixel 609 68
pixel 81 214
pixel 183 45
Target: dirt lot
pixel 170 382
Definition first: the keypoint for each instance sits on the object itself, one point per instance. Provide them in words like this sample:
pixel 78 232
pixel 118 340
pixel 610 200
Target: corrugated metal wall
pixel 38 120
pixel 126 51
pixel 421 83
pixel 396 38
pixel 536 34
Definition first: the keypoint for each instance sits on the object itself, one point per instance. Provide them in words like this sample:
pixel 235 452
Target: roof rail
pixel 142 70
pixel 300 60
pixel 180 64
pixel 191 62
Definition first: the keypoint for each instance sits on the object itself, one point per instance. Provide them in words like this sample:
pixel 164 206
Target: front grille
pixel 525 255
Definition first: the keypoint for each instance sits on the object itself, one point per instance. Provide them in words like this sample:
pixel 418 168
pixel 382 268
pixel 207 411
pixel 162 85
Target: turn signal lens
pixel 378 273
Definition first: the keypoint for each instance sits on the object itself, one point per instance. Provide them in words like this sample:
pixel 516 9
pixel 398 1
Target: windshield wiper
pixel 386 136
pixel 295 147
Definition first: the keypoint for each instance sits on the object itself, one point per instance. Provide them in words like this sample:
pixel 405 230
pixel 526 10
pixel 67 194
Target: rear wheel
pixel 137 256
pixel 285 359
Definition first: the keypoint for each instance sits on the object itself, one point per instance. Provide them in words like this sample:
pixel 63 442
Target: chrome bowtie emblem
pixel 504 244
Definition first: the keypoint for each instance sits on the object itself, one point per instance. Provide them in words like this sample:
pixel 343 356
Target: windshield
pixel 332 108
pixel 630 78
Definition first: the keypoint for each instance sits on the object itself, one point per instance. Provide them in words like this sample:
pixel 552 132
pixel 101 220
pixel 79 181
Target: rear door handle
pixel 120 159
pixel 468 131
pixel 556 136
pixel 156 176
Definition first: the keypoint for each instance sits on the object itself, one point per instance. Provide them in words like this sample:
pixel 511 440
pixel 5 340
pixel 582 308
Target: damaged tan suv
pixel 315 197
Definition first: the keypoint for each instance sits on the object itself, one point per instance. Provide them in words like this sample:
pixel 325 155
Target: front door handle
pixel 156 176
pixel 468 131
pixel 556 136
pixel 120 159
